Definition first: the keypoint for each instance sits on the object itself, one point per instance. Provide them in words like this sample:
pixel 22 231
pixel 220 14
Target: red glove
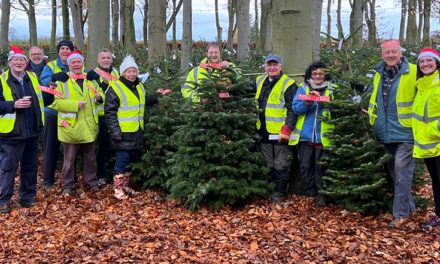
pixel 284 135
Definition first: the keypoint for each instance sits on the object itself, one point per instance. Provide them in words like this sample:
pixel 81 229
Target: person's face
pixel 427 65
pixel 64 50
pixel 76 65
pixel 213 54
pixel 36 55
pixel 273 69
pixel 17 64
pixel 318 76
pixel 105 59
pixel 391 55
pixel 131 74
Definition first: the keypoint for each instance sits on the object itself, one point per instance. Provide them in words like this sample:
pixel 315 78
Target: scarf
pixel 37 68
pixel 315 86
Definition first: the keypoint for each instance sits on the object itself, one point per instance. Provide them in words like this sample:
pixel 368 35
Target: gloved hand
pixel 355 85
pixel 284 135
pixel 92 75
pixel 60 76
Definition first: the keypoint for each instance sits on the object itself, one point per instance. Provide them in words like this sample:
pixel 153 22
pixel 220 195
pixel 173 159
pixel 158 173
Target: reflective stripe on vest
pixel 100 107
pixel 406 92
pixel 325 127
pixel 131 109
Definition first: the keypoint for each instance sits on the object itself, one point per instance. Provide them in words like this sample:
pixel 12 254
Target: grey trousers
pixel 89 167
pixel 278 159
pixel 401 167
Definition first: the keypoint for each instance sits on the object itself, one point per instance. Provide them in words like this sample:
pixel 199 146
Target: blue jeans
pixel 103 150
pixel 123 159
pixel 401 167
pixel 24 152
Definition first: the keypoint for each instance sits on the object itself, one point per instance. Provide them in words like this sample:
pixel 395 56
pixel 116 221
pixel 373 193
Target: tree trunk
pixel 65 15
pixel 244 29
pixel 256 23
pixel 174 28
pixel 4 28
pixel 115 23
pixel 356 22
pixel 232 11
pixel 339 22
pixel 29 8
pixel 427 21
pixel 121 21
pixel 420 25
pixel 77 27
pixel 128 32
pixel 157 31
pixel 292 34
pixel 83 16
pixel 145 24
pixel 316 28
pixel 411 27
pixel 403 20
pixel 329 23
pixel 186 35
pixel 53 32
pixel 217 23
pixel 98 28
pixel 370 18
pixel 266 25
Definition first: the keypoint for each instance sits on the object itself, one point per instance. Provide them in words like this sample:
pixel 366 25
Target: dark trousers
pixel 51 147
pixel 433 165
pixel 311 171
pixel 103 149
pixel 89 164
pixel 123 159
pixel 278 159
pixel 24 152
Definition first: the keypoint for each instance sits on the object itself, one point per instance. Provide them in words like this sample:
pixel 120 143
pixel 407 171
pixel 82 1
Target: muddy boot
pixel 118 183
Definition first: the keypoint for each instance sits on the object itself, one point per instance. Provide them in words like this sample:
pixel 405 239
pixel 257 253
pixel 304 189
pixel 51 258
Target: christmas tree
pixel 217 162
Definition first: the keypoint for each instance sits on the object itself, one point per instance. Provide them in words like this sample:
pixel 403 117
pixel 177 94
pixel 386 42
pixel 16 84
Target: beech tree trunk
pixel 186 35
pixel 157 30
pixel 427 21
pixel 65 16
pixel 339 21
pixel 232 11
pixel 356 22
pixel 29 8
pixel 411 27
pixel 77 24
pixel 98 28
pixel 316 28
pixel 329 23
pixel 420 24
pixel 53 32
pixel 217 24
pixel 256 23
pixel 370 18
pixel 115 23
pixel 244 29
pixel 128 32
pixel 4 27
pixel 266 25
pixel 174 27
pixel 145 24
pixel 403 20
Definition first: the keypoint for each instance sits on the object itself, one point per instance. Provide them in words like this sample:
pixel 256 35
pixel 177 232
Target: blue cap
pixel 272 57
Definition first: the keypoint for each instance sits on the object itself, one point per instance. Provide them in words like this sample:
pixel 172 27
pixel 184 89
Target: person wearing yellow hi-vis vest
pixel 124 113
pixel 426 122
pixel 21 124
pixel 51 144
pixel 78 120
pixel 196 75
pixel 105 61
pixel 310 131
pixel 276 120
pixel 390 112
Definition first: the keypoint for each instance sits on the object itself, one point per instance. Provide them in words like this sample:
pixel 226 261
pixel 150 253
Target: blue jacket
pixel 310 131
pixel 387 127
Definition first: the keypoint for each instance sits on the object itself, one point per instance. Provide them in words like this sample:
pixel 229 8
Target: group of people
pixel 403 109
pixel 80 107
pixel 65 103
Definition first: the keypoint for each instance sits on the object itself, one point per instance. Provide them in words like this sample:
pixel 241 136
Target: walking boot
pixel 118 183
pixel 126 184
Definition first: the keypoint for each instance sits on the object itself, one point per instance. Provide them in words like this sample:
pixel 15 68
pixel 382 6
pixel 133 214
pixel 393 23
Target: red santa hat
pixel 429 52
pixel 16 52
pixel 390 43
pixel 74 54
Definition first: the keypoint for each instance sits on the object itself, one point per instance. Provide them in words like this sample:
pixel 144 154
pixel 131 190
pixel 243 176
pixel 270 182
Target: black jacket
pixel 28 121
pixel 130 140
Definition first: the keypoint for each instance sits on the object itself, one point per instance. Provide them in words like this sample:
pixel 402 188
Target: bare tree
pixel 115 23
pixel 217 23
pixel 370 18
pixel 4 28
pixel 157 30
pixel 77 24
pixel 356 23
pixel 266 25
pixel 173 15
pixel 329 22
pixel 420 24
pixel 232 11
pixel 53 32
pixel 411 27
pixel 145 24
pixel 256 23
pixel 174 27
pixel 128 37
pixel 244 29
pixel 98 28
pixel 28 6
pixel 65 16
pixel 427 20
pixel 403 20
pixel 316 28
pixel 186 35
pixel 339 21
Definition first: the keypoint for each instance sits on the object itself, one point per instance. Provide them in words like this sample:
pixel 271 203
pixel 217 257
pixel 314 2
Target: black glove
pixel 355 85
pixel 92 75
pixel 151 100
pixel 61 76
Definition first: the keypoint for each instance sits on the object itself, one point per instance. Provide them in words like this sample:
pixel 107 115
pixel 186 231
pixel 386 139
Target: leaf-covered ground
pixel 95 228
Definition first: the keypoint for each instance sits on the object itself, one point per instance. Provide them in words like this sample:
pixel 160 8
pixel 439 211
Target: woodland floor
pixel 95 228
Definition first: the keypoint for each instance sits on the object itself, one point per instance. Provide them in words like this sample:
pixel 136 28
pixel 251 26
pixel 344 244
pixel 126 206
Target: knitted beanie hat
pixel 67 43
pixel 128 62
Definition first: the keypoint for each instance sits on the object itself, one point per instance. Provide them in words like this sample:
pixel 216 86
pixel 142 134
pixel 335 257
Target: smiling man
pixel 390 112
pixel 275 93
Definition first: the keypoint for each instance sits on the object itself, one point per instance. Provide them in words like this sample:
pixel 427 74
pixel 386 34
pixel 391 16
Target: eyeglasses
pixel 36 54
pixel 317 74
pixel 427 60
